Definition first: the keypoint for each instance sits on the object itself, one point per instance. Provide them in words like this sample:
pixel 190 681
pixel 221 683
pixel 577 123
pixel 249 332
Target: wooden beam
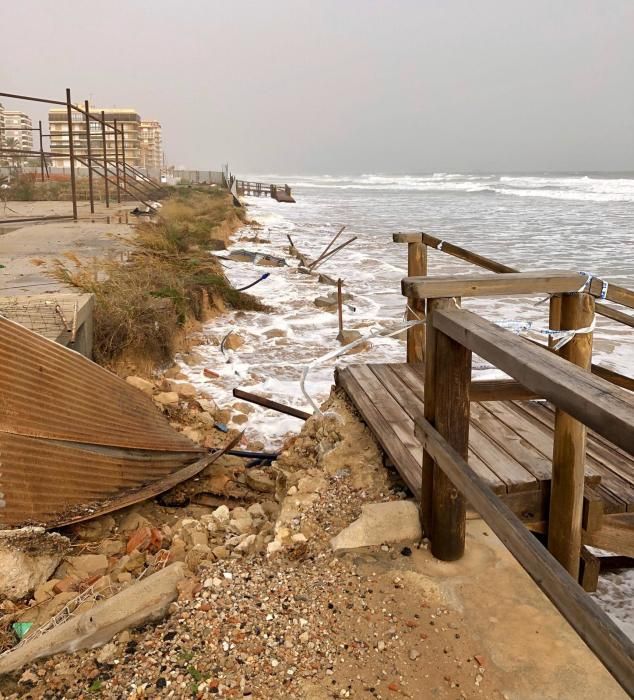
pixel 609 643
pixel 616 534
pixel 539 282
pixel 416 266
pixel 569 445
pixel 407 237
pixel 589 570
pixel 452 376
pixel 615 314
pixel 500 390
pixel 466 255
pixel 607 409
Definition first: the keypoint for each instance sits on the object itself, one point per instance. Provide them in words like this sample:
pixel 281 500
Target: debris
pixel 269 403
pixel 28 557
pixel 231 341
pixel 167 398
pixel 255 257
pixel 21 628
pixel 211 374
pixel 394 521
pixel 144 602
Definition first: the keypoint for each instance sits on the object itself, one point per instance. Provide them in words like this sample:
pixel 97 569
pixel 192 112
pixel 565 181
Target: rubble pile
pixel 244 597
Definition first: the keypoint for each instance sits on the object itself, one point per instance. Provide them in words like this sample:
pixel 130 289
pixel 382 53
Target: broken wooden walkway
pixel 510 442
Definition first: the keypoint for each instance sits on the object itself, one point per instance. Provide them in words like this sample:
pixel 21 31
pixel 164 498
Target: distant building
pixel 151 144
pixel 11 135
pixel 127 119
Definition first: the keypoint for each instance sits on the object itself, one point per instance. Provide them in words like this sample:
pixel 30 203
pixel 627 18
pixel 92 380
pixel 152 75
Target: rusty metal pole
pixel 89 157
pixel 105 157
pixel 41 152
pixel 71 152
pixel 125 175
pixel 116 160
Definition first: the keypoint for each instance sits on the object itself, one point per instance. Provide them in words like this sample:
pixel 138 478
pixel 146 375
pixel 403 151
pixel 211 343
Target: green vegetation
pixel 144 304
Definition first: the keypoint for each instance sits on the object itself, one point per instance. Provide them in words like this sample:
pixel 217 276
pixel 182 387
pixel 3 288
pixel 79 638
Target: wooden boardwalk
pixel 510 442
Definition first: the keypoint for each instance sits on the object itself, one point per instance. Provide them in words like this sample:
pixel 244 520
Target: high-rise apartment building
pixel 15 130
pixel 127 119
pixel 151 144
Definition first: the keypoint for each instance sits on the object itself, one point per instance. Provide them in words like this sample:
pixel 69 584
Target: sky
pixel 344 86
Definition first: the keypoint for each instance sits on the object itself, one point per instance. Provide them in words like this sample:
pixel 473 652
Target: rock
pixel 69 583
pixel 111 547
pixel 392 522
pixel 83 566
pixel 94 530
pixel 185 390
pixel 240 419
pixel 107 654
pixel 220 552
pixel 222 516
pixel 192 531
pixel 273 548
pixel 414 654
pixel 174 372
pixel 243 407
pixel 133 521
pixel 256 511
pixel 247 545
pixel 241 526
pixel 275 333
pixel 346 337
pixel 178 550
pixel 146 601
pixel 196 555
pixel 167 398
pixel 141 384
pixel 139 539
pixel 233 341
pixel 299 538
pixel 28 557
pixel 46 591
pixel 259 480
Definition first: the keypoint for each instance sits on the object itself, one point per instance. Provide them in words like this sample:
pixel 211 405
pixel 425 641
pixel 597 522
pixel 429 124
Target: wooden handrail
pixel 611 646
pixel 615 293
pixel 539 282
pixel 607 409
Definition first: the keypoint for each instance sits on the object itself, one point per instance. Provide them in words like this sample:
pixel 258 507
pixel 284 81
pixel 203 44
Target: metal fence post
pixel 105 157
pixel 116 160
pixel 89 157
pixel 71 152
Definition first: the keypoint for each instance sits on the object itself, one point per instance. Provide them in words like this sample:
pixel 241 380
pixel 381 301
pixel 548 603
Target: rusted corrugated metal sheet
pixel 72 433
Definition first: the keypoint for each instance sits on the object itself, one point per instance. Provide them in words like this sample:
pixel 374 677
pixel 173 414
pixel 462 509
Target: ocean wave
pixel 582 187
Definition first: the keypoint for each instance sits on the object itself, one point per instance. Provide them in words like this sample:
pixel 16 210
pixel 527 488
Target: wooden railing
pixel 418 244
pixel 261 189
pixel 581 399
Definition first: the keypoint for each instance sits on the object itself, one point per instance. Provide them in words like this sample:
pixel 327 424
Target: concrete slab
pixel 520 632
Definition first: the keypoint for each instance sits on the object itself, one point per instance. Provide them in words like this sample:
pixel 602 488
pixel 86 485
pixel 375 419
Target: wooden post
pixel 340 306
pixel 554 316
pixel 416 267
pixel 452 370
pixel 569 449
pixel 429 409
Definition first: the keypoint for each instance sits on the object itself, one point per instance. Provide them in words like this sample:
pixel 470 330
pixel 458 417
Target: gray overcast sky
pixel 345 86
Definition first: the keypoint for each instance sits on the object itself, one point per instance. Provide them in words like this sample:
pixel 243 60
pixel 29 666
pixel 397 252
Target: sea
pixel 580 222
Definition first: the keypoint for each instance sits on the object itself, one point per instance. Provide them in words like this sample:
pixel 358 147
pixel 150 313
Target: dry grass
pixel 143 304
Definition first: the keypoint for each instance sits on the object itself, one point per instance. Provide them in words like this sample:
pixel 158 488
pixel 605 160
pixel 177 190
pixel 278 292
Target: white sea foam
pixel 581 188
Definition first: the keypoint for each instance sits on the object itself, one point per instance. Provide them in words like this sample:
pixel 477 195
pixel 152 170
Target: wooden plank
pixel 598 467
pixel 589 571
pixel 508 470
pixel 604 453
pixel 592 518
pixel 452 377
pixel 602 406
pixel 615 314
pixel 400 456
pixel 616 534
pixel 539 282
pixel 269 403
pixel 613 648
pixel 569 445
pixel 516 444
